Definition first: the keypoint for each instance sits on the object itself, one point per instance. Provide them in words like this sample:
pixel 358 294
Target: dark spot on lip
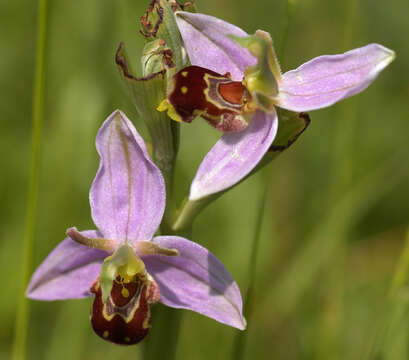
pixel 215 97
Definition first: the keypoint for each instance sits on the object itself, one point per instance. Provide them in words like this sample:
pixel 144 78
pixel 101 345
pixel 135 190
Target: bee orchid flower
pixel 235 83
pixel 122 263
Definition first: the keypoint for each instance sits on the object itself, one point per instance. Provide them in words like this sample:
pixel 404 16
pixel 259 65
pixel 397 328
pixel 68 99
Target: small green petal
pixel 262 79
pixel 124 263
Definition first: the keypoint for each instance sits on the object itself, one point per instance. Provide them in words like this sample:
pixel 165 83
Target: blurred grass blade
pixel 332 313
pixel 390 339
pixel 20 334
pixel 400 278
pixel 395 342
pixel 321 246
pixel 284 38
pixel 239 344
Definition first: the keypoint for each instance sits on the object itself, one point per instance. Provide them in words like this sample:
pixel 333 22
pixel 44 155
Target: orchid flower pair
pixel 235 83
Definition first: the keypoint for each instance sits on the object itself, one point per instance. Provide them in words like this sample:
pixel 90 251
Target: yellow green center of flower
pixel 261 80
pixel 123 263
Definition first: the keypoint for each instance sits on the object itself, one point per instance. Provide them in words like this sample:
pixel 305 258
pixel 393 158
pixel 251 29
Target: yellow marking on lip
pixel 127 339
pixel 166 105
pixel 183 90
pixel 146 322
pixel 105 334
pixel 184 73
pixel 125 292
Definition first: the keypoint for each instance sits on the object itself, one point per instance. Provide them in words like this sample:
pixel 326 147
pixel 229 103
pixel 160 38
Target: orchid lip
pixel 196 91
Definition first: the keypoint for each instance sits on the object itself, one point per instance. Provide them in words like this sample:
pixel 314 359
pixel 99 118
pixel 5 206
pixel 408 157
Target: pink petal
pixel 128 193
pixel 196 280
pixel 327 79
pixel 208 45
pixel 234 156
pixel 68 271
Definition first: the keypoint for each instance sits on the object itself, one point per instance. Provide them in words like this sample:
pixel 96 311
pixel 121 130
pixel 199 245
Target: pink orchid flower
pixel 253 79
pixel 123 263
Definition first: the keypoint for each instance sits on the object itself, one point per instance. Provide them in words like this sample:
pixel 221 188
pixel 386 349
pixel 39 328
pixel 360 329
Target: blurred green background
pixel 337 212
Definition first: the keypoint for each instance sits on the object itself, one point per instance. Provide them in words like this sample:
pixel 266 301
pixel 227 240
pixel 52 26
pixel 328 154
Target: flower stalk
pixel 161 337
pixel 162 57
pixel 146 92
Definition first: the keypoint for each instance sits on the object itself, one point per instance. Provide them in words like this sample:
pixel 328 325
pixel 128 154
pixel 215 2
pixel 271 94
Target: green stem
pixel 164 335
pixel 20 334
pixel 163 338
pixel 165 148
pixel 239 345
pixel 168 321
pixel 183 222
